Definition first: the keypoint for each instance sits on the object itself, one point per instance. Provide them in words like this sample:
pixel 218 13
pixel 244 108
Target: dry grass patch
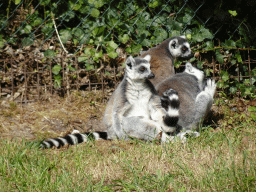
pixel 223 158
pixel 52 116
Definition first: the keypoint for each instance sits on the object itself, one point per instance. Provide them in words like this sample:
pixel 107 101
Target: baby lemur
pixel 195 99
pixel 134 110
pixel 163 55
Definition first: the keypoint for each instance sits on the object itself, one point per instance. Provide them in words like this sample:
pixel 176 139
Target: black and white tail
pixel 72 139
pixel 170 101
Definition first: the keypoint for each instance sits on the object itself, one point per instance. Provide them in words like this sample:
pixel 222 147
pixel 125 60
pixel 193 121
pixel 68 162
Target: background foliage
pixel 103 30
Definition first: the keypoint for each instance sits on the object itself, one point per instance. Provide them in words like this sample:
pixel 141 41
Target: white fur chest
pixel 138 95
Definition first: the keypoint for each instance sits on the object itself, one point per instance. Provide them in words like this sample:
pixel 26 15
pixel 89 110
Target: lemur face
pixel 139 68
pixel 179 47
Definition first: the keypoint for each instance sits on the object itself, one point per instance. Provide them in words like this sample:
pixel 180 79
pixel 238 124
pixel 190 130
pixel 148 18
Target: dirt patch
pixel 54 116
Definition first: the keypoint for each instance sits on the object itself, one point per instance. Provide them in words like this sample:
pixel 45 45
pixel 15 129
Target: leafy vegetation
pixel 97 30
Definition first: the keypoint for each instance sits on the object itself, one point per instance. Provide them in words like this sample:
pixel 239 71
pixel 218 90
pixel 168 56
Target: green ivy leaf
pixel 128 50
pixel 209 45
pixel 68 16
pixel 56 69
pixel 206 34
pixel 219 57
pixel 26 29
pixel 229 43
pixel 48 29
pixel 95 12
pixel 233 13
pixel 112 55
pixel 80 34
pixel 45 2
pixel 233 90
pixel 248 91
pixel 98 31
pixel 84 9
pixel 177 64
pixel 197 37
pixel 174 33
pixel 124 38
pixel 200 64
pixel 233 62
pixel 161 33
pixel 220 84
pixel 146 42
pixel 224 75
pixel 153 4
pixel 176 26
pixel 89 66
pixel 71 68
pixel 247 81
pixel 89 51
pixel 96 3
pixel 112 44
pixel 27 41
pixel 136 48
pixel 65 35
pixel 188 36
pixel 82 58
pixel 57 80
pixel 75 41
pixel 17 2
pixel 238 57
pixel 37 21
pixel 187 18
pixel 49 53
pixel 97 56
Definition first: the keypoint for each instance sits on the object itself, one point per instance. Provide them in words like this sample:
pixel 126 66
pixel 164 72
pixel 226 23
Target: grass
pixel 223 158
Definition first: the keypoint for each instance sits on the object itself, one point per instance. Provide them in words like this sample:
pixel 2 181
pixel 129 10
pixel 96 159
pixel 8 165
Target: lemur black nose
pixel 151 76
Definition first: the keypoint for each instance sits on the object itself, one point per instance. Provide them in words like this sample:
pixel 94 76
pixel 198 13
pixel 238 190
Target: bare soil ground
pixel 52 116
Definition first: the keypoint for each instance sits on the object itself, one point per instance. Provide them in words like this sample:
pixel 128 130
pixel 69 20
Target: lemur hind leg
pixel 140 128
pixel 204 101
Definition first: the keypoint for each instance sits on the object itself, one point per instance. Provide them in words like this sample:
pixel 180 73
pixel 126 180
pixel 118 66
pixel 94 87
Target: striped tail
pixel 72 139
pixel 170 101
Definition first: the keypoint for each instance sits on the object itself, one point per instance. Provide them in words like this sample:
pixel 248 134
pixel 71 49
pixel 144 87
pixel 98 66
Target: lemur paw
pixel 170 98
pixel 210 87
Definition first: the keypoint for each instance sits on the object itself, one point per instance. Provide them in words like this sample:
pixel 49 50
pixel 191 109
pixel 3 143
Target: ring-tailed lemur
pixel 134 109
pixel 162 57
pixel 195 99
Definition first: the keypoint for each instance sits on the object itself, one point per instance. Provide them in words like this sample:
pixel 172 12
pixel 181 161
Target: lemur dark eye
pixel 142 69
pixel 184 49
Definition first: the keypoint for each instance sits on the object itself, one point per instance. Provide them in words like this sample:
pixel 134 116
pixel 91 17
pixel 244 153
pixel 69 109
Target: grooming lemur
pixel 134 109
pixel 163 55
pixel 195 99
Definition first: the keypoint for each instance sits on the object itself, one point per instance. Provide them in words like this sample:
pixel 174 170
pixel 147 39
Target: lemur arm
pixel 160 115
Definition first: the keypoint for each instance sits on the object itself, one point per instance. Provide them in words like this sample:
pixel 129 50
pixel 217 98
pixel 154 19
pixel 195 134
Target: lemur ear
pixel 183 36
pixel 130 62
pixel 189 67
pixel 147 57
pixel 173 43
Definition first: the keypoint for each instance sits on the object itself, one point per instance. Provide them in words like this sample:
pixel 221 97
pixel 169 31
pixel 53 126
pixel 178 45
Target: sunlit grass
pixel 223 158
pixel 216 161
